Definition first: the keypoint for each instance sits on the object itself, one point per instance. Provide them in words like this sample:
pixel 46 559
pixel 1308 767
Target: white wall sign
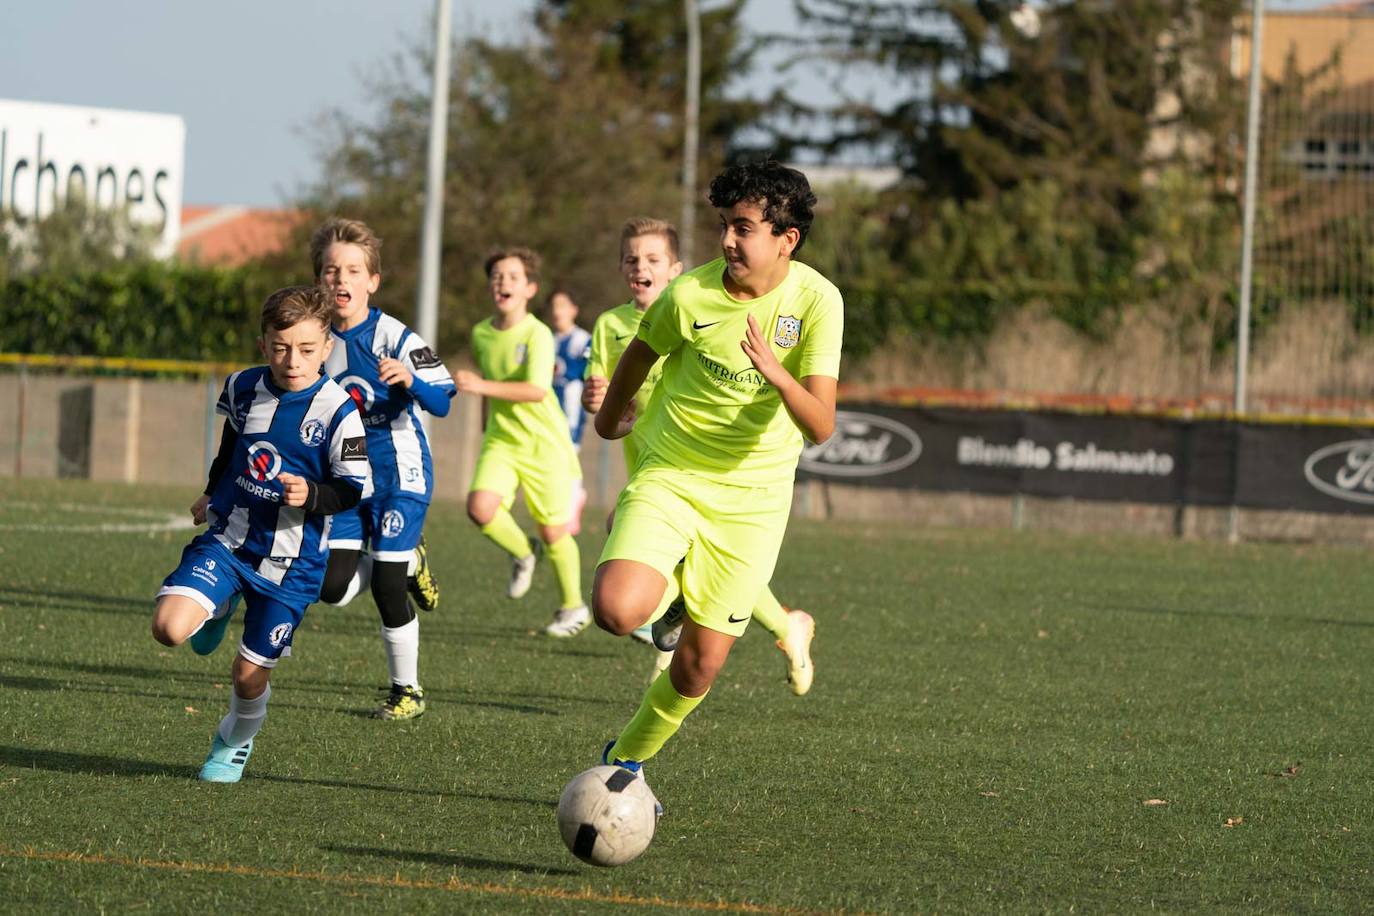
pixel 112 158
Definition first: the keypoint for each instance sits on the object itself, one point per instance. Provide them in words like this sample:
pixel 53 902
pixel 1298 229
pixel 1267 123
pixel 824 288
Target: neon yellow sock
pixel 660 714
pixel 567 567
pixel 670 593
pixel 769 614
pixel 506 534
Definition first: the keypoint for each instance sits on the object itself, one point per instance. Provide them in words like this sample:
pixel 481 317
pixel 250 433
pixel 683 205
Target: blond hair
pixel 350 232
pixel 636 226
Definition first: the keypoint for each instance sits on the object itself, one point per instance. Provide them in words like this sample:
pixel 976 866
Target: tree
pixel 1027 153
pixel 552 145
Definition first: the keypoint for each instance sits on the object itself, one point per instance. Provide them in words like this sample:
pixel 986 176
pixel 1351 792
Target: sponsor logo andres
pixel 863 445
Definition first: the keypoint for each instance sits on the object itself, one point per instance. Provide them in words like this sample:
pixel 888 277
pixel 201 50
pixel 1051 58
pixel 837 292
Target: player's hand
pixel 198 508
pixel 467 380
pixel 594 392
pixel 627 421
pixel 294 490
pixel 760 353
pixel 394 372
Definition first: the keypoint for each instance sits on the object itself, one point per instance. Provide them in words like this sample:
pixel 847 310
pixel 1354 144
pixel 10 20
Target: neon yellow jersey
pixel 713 412
pixel 611 334
pixel 523 353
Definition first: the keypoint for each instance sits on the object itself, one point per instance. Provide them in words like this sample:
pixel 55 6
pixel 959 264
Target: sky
pixel 249 79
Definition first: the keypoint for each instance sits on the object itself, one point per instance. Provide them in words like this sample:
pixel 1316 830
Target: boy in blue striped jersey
pixel 292 454
pixel 392 375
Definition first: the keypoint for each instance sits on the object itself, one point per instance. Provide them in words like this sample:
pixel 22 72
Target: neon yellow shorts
pixel 547 473
pixel 729 536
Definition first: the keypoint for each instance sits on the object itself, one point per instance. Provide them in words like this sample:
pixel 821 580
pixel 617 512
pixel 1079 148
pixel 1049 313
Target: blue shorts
pixel 389 525
pixel 209 575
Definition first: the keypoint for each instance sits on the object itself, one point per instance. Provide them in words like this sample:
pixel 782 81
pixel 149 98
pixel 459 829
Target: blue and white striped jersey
pixel 316 434
pixel 396 443
pixel 571 352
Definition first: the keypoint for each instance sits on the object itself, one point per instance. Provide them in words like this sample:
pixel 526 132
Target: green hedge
pixel 147 309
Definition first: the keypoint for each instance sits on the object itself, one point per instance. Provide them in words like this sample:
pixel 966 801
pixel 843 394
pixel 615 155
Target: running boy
pixel 570 350
pixel 526 443
pixel 391 374
pixel 292 453
pixel 752 346
pixel 649 262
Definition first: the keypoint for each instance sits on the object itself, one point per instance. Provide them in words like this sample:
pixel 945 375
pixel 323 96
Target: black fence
pixel 1280 465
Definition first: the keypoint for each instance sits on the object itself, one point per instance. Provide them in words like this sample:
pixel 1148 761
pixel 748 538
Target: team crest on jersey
pixel 312 432
pixel 279 635
pixel 788 332
pixel 521 351
pixel 412 475
pixel 393 523
pixel 360 391
pixel 264 461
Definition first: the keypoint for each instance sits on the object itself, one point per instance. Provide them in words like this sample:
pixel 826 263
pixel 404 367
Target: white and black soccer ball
pixel 606 815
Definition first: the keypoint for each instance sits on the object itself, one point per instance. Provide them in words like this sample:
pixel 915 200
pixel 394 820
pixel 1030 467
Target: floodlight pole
pixel 690 118
pixel 1247 233
pixel 432 229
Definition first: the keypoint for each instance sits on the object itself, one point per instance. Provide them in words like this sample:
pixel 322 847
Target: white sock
pixel 244 719
pixel 362 578
pixel 412 564
pixel 403 653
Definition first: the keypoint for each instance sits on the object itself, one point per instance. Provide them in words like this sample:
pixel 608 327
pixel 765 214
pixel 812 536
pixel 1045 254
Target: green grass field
pixel 992 714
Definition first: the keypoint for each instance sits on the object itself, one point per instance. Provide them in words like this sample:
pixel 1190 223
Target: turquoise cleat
pixel 211 634
pixel 225 763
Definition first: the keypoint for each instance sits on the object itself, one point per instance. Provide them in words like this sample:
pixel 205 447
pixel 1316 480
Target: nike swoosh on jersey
pixel 697 326
pixel 733 619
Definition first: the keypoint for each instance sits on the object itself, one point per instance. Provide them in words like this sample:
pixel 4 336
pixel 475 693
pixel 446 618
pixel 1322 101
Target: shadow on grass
pixel 101 765
pixel 448 860
pixel 46 599
pixel 1232 615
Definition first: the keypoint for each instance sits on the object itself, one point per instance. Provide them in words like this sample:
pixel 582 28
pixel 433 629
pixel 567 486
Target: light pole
pixel 432 228
pixel 690 117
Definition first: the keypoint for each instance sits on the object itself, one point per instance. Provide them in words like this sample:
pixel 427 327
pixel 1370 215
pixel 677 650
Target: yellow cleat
pixel 402 703
pixel 796 645
pixel 422 586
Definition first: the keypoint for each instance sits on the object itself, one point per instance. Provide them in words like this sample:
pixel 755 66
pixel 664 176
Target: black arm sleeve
pixel 227 441
pixel 331 497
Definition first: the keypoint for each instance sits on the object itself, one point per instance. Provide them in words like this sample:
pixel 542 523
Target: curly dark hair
pixel 783 193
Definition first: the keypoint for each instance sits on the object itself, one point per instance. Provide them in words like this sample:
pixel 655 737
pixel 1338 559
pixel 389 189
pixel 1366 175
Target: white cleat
pixel 661 662
pixel 569 622
pixel 796 645
pixel 522 571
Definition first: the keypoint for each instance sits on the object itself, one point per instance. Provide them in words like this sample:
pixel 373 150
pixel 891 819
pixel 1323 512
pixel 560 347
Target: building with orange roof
pixel 231 235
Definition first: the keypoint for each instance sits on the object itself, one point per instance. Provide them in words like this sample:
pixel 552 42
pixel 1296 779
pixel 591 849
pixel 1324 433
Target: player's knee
pixel 167 628
pixel 614 613
pixel 480 512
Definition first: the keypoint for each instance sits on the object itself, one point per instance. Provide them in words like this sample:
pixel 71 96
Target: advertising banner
pixel 1317 468
pixel 113 159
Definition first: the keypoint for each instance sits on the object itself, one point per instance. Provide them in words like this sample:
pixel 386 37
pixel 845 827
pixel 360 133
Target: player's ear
pixel 675 270
pixel 373 281
pixel 262 347
pixel 328 345
pixel 791 238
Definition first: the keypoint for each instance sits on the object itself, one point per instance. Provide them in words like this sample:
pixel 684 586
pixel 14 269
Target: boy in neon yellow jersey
pixel 752 348
pixel 526 443
pixel 649 262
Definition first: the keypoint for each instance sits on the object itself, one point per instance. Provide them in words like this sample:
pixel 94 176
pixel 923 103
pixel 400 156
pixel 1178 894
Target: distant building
pixel 230 235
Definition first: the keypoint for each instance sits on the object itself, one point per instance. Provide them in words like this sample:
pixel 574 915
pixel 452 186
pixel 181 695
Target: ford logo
pixel 864 445
pixel 1344 470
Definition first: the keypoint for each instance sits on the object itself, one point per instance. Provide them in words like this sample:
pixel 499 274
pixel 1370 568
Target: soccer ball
pixel 606 815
